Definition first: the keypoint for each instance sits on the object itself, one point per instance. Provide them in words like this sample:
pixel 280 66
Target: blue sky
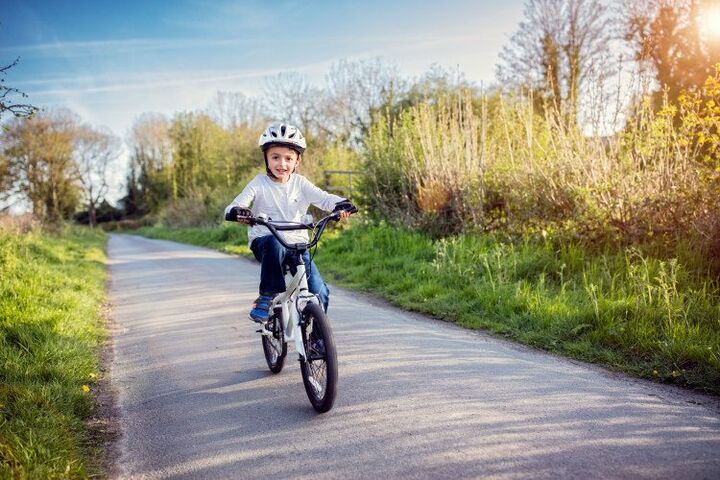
pixel 111 61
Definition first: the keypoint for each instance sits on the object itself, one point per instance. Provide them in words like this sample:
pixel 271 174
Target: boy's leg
pixel 316 284
pixel 271 254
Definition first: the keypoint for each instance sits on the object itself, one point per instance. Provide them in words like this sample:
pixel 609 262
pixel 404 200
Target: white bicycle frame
pixel 292 302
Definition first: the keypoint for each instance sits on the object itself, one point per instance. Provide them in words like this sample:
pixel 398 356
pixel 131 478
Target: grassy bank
pixel 51 297
pixel 644 316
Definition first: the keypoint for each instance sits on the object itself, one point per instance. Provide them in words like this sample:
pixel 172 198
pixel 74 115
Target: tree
pixel 666 39
pixel 7 104
pixel 558 47
pixel 354 92
pixel 199 146
pixel 151 177
pixel 94 151
pixel 232 110
pixel 38 165
pixel 435 84
pixel 292 98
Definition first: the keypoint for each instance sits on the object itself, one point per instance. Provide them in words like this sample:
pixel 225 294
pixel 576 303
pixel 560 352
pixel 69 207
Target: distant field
pixel 51 297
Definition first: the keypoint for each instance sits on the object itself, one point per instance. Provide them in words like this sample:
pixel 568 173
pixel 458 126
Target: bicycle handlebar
pixel 318 226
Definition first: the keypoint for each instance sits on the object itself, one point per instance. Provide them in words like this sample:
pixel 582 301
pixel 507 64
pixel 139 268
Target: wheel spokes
pixel 274 340
pixel 276 352
pixel 276 346
pixel 318 375
pixel 315 362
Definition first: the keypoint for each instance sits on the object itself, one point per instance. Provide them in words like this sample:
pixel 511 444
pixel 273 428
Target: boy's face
pixel 282 161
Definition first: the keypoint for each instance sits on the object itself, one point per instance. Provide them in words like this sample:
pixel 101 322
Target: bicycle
pixel 297 317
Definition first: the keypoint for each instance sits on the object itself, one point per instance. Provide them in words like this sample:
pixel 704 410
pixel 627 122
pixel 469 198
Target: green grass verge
pixel 51 295
pixel 644 316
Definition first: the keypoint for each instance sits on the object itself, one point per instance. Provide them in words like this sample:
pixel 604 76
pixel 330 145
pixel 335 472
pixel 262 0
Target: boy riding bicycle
pixel 282 195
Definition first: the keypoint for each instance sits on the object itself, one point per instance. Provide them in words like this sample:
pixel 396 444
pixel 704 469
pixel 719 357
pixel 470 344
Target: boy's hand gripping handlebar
pixel 277 226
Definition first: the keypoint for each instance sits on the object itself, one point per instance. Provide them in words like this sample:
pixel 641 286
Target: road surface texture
pixel 418 398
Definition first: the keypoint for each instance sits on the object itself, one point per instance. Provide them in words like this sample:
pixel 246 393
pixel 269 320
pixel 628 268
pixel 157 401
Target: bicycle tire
pixel 319 368
pixel 275 347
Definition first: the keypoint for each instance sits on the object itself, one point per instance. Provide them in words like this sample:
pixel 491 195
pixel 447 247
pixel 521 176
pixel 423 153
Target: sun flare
pixel 710 21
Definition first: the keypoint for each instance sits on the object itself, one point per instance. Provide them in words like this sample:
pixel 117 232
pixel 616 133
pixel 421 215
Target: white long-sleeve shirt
pixel 287 201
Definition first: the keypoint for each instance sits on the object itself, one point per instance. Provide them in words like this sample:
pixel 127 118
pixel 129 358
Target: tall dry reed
pixel 469 162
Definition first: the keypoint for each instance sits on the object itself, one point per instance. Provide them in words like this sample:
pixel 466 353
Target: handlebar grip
pixel 235 212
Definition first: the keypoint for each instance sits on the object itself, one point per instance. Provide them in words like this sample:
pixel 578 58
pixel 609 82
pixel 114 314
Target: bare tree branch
pixel 557 45
pixel 94 151
pixel 17 109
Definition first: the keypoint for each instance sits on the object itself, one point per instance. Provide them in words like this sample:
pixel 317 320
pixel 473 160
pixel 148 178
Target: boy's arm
pixel 244 200
pixel 319 197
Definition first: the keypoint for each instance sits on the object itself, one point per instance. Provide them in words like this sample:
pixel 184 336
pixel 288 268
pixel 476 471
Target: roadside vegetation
pixel 51 328
pixel 626 310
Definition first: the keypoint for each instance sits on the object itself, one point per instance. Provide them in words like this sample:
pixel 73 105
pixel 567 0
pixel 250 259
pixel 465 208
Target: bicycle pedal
pixel 266 328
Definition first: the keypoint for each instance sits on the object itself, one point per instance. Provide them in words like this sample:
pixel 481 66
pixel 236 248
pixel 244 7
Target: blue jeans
pixel 273 256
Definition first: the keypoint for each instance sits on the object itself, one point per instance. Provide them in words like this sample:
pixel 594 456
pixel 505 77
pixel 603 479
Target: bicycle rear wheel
pixel 319 368
pixel 274 345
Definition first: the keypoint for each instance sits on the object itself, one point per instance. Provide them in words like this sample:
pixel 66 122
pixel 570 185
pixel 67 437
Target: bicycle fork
pixel 290 304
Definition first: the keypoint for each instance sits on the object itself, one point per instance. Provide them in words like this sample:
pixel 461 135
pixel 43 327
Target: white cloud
pixel 116 47
pixel 169 80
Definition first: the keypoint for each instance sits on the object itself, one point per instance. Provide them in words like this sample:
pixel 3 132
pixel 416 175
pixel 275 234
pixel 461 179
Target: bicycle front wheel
pixel 274 345
pixel 319 367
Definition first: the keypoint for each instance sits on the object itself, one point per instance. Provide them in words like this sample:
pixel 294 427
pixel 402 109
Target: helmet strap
pixel 267 167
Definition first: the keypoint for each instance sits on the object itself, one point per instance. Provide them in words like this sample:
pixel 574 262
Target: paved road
pixel 417 398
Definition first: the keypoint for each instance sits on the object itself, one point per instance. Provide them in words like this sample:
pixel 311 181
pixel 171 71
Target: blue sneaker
pixel 261 309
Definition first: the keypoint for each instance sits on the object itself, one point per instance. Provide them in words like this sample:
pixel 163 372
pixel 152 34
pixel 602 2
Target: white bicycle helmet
pixel 282 134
